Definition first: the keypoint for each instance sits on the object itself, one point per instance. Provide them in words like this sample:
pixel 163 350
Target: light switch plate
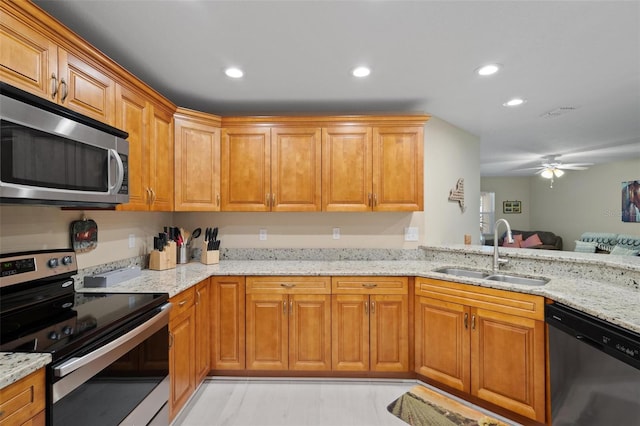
pixel 336 233
pixel 263 235
pixel 411 234
pixel 132 240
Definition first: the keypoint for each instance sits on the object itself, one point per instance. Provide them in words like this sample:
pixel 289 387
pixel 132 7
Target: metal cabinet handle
pixel 370 202
pixel 153 196
pixel 267 200
pixel 149 196
pixel 170 339
pixel 218 200
pixel 287 285
pixel 373 307
pixel 369 285
pixel 466 320
pixel 198 297
pixel 273 200
pixel 182 303
pixel 65 93
pixel 366 308
pixel 473 322
pixel 54 86
pixel 284 307
pixel 290 307
pixel 375 200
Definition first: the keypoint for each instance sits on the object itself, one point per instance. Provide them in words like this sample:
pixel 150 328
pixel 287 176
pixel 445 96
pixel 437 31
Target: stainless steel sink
pixel 513 279
pixel 459 272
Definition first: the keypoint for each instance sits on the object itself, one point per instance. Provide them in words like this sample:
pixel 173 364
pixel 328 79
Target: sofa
pixel 524 239
pixel 609 243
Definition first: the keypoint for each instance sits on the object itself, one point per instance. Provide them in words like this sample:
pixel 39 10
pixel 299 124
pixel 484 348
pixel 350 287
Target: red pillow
pixel 517 240
pixel 532 241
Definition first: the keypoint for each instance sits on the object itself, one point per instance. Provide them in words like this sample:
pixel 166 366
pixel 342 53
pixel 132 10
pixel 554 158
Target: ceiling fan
pixel 551 168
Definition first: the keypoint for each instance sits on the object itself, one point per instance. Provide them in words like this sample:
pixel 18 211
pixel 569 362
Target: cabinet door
pixel 131 116
pixel 197 166
pixel 181 360
pixel 389 338
pixel 398 168
pixel 245 169
pixel 267 332
pixel 309 332
pixel 228 323
pixel 161 159
pixel 203 330
pixel 28 59
pixel 508 362
pixel 346 169
pixel 85 89
pixel 22 401
pixel 350 332
pixel 442 342
pixel 296 169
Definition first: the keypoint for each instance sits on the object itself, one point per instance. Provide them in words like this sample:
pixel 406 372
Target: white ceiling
pixel 297 57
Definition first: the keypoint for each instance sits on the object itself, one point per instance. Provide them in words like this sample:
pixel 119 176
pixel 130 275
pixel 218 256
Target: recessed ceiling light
pixel 234 72
pixel 361 72
pixel 488 69
pixel 514 102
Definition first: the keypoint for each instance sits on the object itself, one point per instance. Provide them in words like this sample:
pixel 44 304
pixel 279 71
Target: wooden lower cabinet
pixel 370 333
pixel 189 343
pixel 228 323
pixel 496 356
pixel 288 323
pixel 23 402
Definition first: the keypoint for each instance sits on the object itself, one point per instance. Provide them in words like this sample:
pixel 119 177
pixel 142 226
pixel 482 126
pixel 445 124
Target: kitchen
pixel 22 226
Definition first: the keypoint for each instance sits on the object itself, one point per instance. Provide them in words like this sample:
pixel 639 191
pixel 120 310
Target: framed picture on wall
pixel 510 207
pixel 631 201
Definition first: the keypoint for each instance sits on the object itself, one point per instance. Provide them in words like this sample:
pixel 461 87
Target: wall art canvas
pixel 631 201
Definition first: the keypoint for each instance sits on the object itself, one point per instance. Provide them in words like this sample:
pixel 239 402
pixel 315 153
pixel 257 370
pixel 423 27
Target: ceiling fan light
pixel 547 173
pixel 558 172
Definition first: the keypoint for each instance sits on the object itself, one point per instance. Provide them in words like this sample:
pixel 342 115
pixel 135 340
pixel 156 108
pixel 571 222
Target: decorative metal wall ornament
pixel 457 194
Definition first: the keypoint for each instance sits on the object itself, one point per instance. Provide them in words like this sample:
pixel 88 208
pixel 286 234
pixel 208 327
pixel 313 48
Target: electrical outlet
pixel 411 234
pixel 336 233
pixel 132 240
pixel 263 235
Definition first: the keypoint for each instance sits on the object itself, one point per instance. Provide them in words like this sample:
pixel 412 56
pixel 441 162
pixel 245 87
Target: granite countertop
pixel 15 366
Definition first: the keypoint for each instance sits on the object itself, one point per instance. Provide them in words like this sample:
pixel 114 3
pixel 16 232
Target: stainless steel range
pixel 110 351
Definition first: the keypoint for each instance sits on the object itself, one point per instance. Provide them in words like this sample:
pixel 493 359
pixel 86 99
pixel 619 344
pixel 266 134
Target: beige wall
pixel 450 153
pixel 580 201
pixel 510 189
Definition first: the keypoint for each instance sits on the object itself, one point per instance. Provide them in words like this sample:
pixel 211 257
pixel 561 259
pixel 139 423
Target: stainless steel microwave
pixel 52 155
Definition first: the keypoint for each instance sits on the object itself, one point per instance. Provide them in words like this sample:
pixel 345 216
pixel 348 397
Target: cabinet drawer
pixel 23 399
pixel 508 302
pixel 370 285
pixel 182 302
pixel 289 285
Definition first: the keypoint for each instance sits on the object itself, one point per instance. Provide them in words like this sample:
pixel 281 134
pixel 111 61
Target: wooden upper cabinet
pixel 132 110
pixel 296 161
pixel 28 59
pixel 197 161
pixel 398 168
pixel 161 176
pixel 85 89
pixel 346 169
pixel 245 169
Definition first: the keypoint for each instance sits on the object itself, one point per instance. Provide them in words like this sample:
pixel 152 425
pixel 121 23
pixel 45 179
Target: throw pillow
pixel 517 240
pixel 532 241
pixel 624 251
pixel 585 246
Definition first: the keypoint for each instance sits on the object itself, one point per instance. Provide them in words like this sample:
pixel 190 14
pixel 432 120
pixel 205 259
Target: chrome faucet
pixel 497 260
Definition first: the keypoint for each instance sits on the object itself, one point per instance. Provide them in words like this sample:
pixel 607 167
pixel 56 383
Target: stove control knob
pixel 53 262
pixel 67 330
pixel 54 336
pixel 67 260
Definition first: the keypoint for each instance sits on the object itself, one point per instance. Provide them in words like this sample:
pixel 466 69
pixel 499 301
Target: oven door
pixel 122 381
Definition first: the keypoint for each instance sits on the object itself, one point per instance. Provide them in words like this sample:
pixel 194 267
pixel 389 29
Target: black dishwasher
pixel 594 370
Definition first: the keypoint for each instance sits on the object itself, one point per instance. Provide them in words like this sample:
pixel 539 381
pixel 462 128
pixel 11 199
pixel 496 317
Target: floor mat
pixel 424 407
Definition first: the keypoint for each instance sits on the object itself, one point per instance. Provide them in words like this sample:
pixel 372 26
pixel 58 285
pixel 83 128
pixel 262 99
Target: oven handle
pixel 135 336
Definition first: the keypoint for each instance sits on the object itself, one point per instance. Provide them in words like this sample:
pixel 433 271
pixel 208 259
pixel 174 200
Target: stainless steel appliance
pixel 110 351
pixel 52 155
pixel 595 370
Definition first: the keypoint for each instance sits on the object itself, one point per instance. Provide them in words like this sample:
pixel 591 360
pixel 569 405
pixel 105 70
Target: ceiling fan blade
pixel 573 167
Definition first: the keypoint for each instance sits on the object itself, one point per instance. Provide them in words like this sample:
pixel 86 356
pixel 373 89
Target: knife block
pixel 166 259
pixel 209 257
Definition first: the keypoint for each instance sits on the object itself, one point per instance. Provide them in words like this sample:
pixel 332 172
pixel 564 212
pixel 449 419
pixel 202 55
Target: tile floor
pixel 299 402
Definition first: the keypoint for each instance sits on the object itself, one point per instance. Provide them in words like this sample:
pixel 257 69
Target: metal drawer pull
pixel 288 285
pixel 369 285
pixel 373 308
pixel 473 322
pixel 366 308
pixel 54 86
pixel 65 93
pixel 284 307
pixel 466 320
pixel 182 303
pixel 291 307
